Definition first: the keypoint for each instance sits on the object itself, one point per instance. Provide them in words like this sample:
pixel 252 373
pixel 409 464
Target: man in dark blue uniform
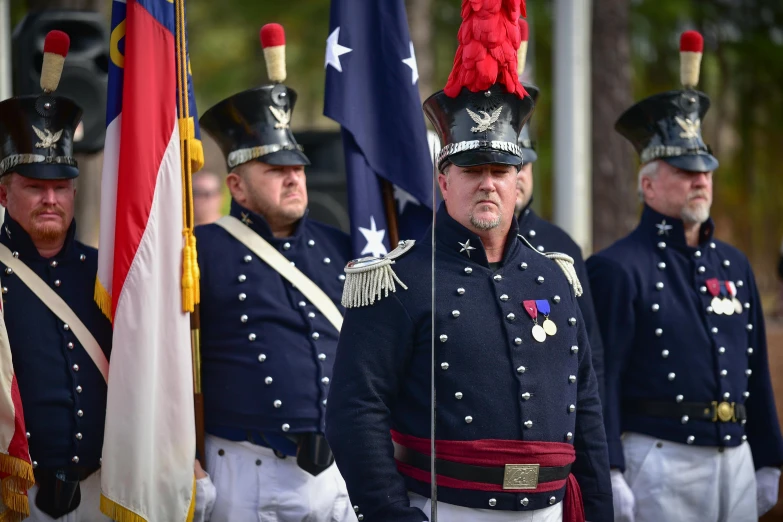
pixel 267 342
pixel 690 414
pixel 60 372
pixel 546 236
pixel 518 422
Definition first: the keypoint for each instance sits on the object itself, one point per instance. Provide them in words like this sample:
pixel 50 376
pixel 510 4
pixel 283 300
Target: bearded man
pixel 690 415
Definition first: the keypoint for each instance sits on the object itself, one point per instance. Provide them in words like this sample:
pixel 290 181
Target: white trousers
pixel 452 513
pixel 683 483
pixel 253 485
pixel 89 509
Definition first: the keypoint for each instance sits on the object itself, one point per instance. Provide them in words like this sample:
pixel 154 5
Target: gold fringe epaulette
pixel 566 264
pixel 368 279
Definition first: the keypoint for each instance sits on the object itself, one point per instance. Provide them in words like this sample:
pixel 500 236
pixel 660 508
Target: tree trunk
pixel 88 194
pixel 421 23
pixel 615 202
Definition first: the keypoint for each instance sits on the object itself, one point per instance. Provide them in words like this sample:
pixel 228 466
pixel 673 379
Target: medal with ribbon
pixel 732 288
pixel 532 310
pixel 728 306
pixel 713 285
pixel 550 328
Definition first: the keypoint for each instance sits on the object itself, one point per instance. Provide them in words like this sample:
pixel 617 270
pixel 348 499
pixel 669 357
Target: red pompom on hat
pixel 692 41
pixel 57 42
pixel 489 38
pixel 55 49
pixel 272 35
pixel 691 49
pixel 273 43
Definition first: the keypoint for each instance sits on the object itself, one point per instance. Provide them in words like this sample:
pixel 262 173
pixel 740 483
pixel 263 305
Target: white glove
pixel 206 494
pixel 622 498
pixel 767 480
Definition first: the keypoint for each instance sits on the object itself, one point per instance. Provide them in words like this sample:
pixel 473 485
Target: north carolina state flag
pixel 149 443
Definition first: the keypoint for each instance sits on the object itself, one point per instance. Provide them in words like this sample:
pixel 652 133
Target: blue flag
pixel 372 92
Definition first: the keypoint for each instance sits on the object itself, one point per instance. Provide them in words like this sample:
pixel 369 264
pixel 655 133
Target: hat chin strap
pixel 10 162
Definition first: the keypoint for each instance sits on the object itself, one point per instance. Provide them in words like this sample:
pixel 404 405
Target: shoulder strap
pixel 267 253
pixel 59 307
pixel 565 262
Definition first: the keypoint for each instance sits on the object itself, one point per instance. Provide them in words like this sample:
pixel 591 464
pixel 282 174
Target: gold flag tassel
pixel 103 299
pixel 190 272
pixel 13 488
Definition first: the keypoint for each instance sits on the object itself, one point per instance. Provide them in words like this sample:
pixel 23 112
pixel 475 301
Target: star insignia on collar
pixel 466 247
pixel 663 228
pixel 246 219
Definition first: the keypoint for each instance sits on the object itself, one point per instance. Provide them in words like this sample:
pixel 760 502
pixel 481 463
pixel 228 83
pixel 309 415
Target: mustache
pixel 49 209
pixel 486 196
pixel 698 194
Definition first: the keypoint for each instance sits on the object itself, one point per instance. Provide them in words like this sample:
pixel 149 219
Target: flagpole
pixel 387 190
pixel 190 269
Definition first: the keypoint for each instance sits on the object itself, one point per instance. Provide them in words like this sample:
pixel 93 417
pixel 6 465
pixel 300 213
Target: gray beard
pixel 484 224
pixel 696 215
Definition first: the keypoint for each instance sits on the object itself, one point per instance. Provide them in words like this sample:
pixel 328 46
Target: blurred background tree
pixel 635 54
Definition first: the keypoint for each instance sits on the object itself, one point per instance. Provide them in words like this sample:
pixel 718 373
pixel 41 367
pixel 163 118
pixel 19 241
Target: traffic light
pixel 85 75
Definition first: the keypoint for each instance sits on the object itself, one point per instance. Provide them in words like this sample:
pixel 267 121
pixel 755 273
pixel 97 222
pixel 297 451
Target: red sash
pixel 498 453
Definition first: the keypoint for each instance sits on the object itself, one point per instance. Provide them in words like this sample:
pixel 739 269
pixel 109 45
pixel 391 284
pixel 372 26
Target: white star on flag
pixel 411 62
pixel 334 50
pixel 374 237
pixel 403 198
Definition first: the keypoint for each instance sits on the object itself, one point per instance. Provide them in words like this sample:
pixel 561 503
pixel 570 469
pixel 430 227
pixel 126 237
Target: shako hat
pixel 255 124
pixel 667 126
pixel 480 113
pixel 37 131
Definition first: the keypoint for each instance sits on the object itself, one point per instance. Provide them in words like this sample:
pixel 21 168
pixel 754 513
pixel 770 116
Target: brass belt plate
pixel 521 476
pixel 724 412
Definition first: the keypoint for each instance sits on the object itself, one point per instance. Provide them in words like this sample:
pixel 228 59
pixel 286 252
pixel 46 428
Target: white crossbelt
pixel 267 253
pixel 56 304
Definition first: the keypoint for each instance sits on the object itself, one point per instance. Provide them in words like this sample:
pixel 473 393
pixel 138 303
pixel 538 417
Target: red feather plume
pixel 524 30
pixel 691 41
pixel 488 41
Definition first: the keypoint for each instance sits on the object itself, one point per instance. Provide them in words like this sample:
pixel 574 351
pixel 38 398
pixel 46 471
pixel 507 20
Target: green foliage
pixel 742 72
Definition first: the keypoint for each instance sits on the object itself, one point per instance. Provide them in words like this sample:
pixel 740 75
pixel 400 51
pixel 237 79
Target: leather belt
pixel 511 476
pixel 707 411
pixel 311 450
